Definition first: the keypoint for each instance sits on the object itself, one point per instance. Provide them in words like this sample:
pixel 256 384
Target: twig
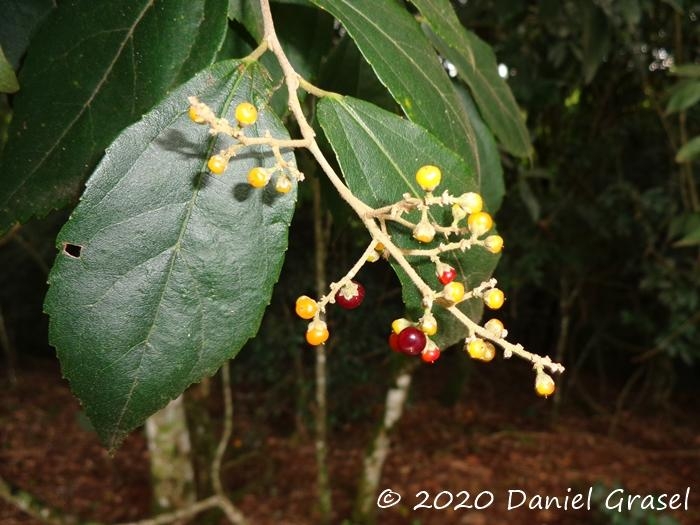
pixel 232 513
pixel 374 219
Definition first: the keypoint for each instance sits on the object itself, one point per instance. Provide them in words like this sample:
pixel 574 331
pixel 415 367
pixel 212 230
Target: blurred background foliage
pixel 602 224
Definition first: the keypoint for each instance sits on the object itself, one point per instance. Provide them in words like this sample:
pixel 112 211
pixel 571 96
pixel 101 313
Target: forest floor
pixel 492 441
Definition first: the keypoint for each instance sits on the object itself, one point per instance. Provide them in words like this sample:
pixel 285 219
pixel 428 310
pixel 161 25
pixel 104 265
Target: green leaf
pixel 684 95
pixel 486 144
pixel 690 151
pixel 595 40
pixel 686 70
pixel 379 154
pixel 631 11
pixel 165 270
pixel 17 24
pixel 346 71
pixel 249 14
pixel 477 66
pixel 686 229
pixel 402 57
pixel 106 64
pixel 676 5
pixel 8 80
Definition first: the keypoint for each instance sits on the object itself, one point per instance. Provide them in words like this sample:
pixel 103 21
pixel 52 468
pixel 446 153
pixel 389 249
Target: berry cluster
pixel 348 296
pixel 471 226
pixel 246 115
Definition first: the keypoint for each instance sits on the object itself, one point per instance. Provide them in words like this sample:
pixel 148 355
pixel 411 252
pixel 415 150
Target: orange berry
pixel 217 164
pixel 317 334
pixel 306 307
pixel 258 177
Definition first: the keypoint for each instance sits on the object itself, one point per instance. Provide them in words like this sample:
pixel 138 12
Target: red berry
pixel 412 341
pixel 430 355
pixel 351 295
pixel 394 342
pixel 447 276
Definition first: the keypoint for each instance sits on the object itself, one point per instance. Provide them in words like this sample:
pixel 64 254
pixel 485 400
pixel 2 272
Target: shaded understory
pixel 497 437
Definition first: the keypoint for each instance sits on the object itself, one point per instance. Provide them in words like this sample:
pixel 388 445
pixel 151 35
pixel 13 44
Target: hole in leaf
pixel 72 250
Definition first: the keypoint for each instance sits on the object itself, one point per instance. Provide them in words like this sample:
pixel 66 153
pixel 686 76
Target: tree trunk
pixel 365 503
pixel 170 454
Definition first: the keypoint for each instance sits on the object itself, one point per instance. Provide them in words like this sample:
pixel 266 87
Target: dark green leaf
pixel 686 70
pixel 249 14
pixel 690 151
pixel 486 144
pixel 686 229
pixel 18 21
pixel 379 154
pixel 402 57
pixel 477 66
pixel 631 11
pixel 684 95
pixel 595 40
pixel 8 80
pixel 346 71
pixel 676 5
pixel 171 267
pixel 106 64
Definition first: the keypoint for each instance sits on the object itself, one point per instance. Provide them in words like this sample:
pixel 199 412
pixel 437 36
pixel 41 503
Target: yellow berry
pixel 246 114
pixel 428 177
pixel 317 334
pixel 283 184
pixel 454 291
pixel 195 116
pixel 479 223
pixel 217 164
pixel 458 213
pixel 373 256
pixel 494 243
pixel 428 324
pixel 496 327
pixel 258 177
pixel 424 232
pixel 306 307
pixel 494 298
pixel 471 202
pixel 544 385
pixel 476 348
pixel 399 324
pixel 489 352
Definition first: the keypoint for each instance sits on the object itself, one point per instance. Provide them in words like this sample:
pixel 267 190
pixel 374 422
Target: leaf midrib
pixel 461 33
pixel 461 122
pixel 108 71
pixel 175 254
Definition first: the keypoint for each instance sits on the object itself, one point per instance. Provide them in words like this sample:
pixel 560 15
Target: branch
pixel 375 219
pixel 232 513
